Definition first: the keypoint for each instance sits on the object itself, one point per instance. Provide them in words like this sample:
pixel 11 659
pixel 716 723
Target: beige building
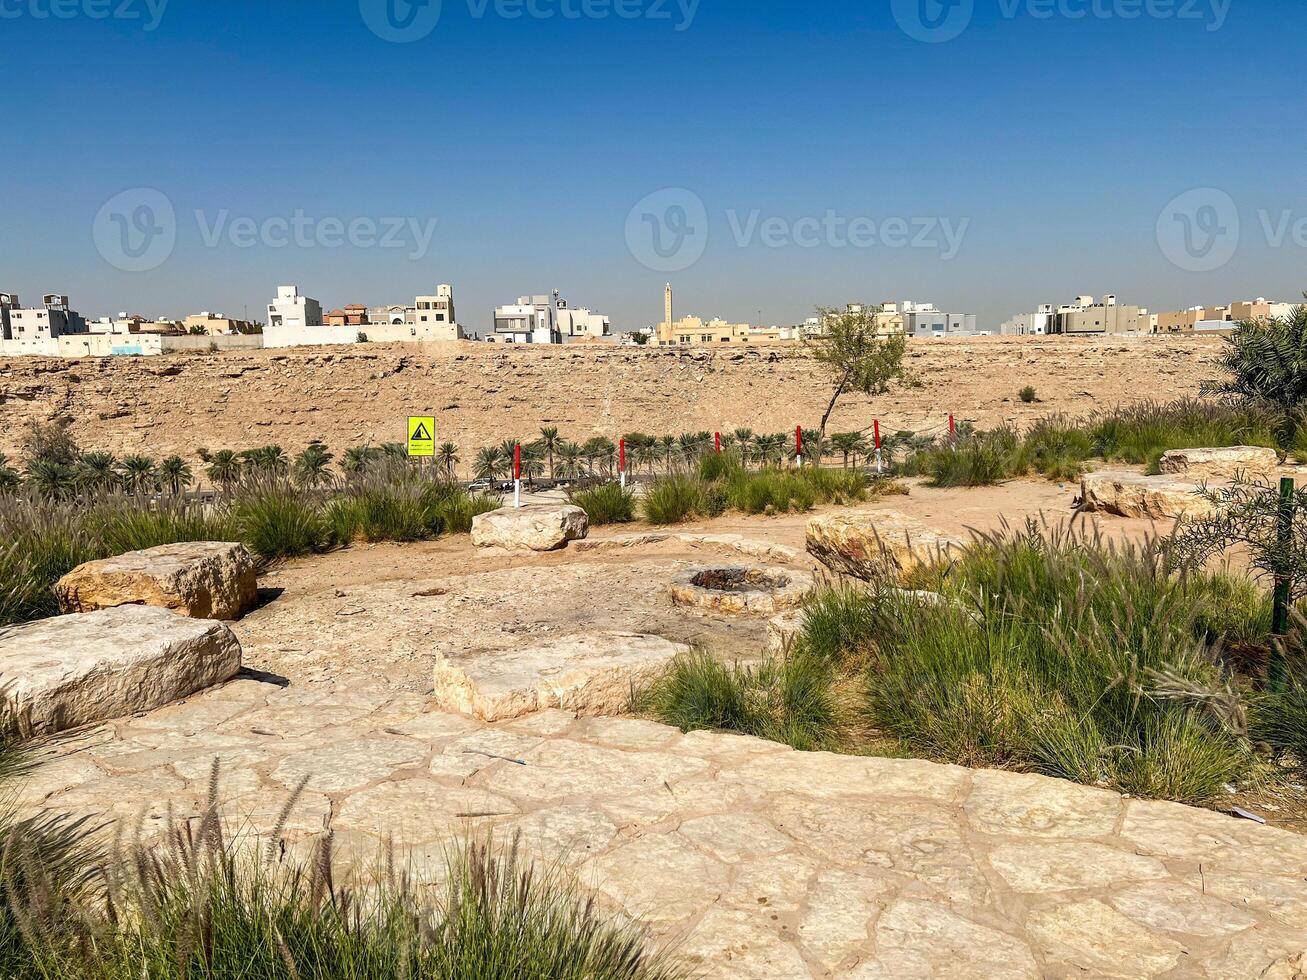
pixel 694 330
pixel 1084 317
pixel 1206 319
pixel 215 324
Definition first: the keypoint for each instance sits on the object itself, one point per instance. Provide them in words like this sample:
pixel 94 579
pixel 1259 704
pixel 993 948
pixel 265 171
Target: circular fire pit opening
pixel 738 589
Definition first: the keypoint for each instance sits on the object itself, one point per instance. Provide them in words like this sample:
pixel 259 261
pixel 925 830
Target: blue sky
pixel 1049 136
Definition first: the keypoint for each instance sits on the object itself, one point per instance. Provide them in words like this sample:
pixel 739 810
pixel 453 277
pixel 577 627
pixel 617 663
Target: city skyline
pixel 882 175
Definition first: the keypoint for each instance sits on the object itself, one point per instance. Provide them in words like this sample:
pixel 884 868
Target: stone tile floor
pixel 754 860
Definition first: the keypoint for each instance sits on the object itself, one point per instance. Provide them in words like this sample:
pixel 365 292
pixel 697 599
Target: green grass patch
pixel 608 503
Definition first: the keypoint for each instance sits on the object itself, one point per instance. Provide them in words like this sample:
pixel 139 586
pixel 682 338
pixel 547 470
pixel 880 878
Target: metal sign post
pixel 517 476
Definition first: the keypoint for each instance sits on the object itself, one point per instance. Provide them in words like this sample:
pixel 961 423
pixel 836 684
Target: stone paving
pixel 754 860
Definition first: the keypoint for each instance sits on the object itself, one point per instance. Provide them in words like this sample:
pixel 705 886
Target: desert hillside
pixel 483 393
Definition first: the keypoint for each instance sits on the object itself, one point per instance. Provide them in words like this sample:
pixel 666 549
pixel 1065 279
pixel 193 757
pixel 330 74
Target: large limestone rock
pixel 63 673
pixel 590 675
pixel 1221 464
pixel 200 579
pixel 869 543
pixel 1133 495
pixel 538 527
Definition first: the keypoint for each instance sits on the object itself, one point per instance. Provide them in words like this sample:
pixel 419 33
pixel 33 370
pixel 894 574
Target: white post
pixel 517 493
pixel 879 467
pixel 623 479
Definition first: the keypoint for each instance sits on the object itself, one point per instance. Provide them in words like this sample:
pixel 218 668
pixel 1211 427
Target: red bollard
pixel 952 428
pixel 717 436
pixel 877 424
pixel 798 444
pixel 621 460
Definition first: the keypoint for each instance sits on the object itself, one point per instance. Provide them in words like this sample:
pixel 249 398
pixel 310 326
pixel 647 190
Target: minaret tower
pixel 667 306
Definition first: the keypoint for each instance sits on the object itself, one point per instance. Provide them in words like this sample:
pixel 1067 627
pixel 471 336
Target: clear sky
pixel 834 153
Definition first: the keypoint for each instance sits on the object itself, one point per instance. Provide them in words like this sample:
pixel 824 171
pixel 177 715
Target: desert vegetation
pixel 1043 649
pixel 200 905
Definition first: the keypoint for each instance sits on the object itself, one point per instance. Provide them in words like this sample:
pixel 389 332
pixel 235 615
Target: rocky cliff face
pixel 482 394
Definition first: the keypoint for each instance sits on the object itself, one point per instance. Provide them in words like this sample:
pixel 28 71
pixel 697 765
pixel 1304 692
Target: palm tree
pixel 668 444
pixel 224 469
pixel 174 472
pixel 571 460
pixel 358 458
pixel 138 473
pixel 508 457
pixel 267 459
pixel 51 477
pixel 533 462
pixel 97 471
pixel 312 465
pixel 394 450
pixel 844 443
pixel 549 442
pixel 859 447
pixel 487 465
pixel 447 455
pixel 9 478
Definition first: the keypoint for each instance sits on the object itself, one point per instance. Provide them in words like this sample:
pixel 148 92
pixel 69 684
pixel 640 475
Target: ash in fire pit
pixel 741 589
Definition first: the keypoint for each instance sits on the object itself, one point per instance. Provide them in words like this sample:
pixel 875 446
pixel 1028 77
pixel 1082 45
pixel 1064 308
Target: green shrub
pixel 1058 447
pixel 1029 395
pixel 977 460
pixel 457 511
pixel 839 622
pixel 789 699
pixel 276 520
pixel 671 499
pixel 608 503
pixel 719 466
pixel 1143 432
pixel 1060 654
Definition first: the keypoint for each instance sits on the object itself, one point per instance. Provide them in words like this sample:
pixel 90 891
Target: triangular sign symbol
pixel 421 434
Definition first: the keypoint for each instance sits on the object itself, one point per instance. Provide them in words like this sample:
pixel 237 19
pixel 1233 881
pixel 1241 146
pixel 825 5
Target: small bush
pixel 671 500
pixel 608 503
pixel 458 510
pixel 840 622
pixel 1143 432
pixel 719 466
pixel 788 699
pixel 276 520
pixel 1029 395
pixel 1058 447
pixel 981 459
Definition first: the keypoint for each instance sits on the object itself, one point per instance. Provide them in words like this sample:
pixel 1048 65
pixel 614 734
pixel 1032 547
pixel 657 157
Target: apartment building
pixel 7 302
pixel 1209 319
pixel 1036 324
pixel 295 320
pixel 1084 317
pixel 924 321
pixel 217 325
pixel 546 320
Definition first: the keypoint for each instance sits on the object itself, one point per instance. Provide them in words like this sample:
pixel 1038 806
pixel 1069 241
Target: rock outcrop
pixel 200 579
pixel 1221 464
pixel 537 527
pixel 1132 495
pixel 70 671
pixel 589 675
pixel 741 590
pixel 870 543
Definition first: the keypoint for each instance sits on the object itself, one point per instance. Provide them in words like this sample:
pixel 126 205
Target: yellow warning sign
pixel 422 438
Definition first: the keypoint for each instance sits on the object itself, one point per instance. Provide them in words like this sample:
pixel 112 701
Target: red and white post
pixel 517 476
pixel 621 461
pixel 798 445
pixel 717 439
pixel 880 467
pixel 952 428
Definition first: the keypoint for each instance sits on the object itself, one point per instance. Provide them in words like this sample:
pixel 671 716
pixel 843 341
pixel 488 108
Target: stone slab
pixel 867 544
pixel 70 671
pixel 1134 495
pixel 200 579
pixel 537 527
pixel 589 674
pixel 1221 464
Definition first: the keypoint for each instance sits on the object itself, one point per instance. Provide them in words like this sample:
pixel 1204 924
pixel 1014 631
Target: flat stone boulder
pixel 784 629
pixel 1221 464
pixel 1132 495
pixel 593 674
pixel 538 527
pixel 870 543
pixel 70 671
pixel 200 579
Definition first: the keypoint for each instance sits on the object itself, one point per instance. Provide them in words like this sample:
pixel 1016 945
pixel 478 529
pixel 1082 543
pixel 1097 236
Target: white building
pixel 1035 324
pixel 37 330
pixel 923 320
pixel 547 320
pixel 296 321
pixel 7 302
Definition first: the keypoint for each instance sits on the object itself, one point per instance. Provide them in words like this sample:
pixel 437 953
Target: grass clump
pixel 682 497
pixel 276 520
pixel 608 503
pixel 1143 432
pixel 976 460
pixel 673 499
pixel 787 699
pixel 1058 653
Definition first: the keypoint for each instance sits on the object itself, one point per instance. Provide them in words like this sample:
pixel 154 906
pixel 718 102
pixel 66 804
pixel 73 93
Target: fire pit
pixel 741 589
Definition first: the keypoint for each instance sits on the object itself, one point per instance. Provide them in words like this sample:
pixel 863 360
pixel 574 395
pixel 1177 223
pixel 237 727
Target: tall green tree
pixel 856 357
pixel 549 441
pixel 175 474
pixel 312 466
pixel 1267 365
